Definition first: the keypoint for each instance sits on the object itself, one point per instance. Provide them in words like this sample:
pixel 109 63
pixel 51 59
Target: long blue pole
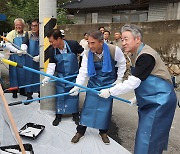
pixel 54 77
pixel 62 94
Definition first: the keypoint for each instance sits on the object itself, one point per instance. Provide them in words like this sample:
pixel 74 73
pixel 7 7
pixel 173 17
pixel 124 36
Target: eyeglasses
pixel 34 25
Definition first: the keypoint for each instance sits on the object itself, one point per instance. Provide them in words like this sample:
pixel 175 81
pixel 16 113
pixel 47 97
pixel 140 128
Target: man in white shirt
pixel 104 64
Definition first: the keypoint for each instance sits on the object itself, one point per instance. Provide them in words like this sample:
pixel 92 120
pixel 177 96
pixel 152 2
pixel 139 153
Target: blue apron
pixel 156 107
pixel 17 75
pixel 33 49
pixel 97 111
pixel 67 64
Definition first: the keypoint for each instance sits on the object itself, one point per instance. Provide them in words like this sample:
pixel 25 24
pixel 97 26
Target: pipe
pixel 58 79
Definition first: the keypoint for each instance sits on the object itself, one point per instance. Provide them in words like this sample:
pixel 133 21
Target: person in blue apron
pixel 104 64
pixel 63 60
pixel 16 75
pixel 31 44
pixel 156 98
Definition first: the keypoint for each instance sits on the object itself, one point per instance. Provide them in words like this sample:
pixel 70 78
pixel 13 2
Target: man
pixel 117 39
pixel 16 75
pixel 63 59
pixel 106 37
pixel 31 44
pixel 101 29
pixel 154 92
pixel 104 65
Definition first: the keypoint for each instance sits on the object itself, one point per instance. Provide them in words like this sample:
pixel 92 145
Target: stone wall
pixel 163 36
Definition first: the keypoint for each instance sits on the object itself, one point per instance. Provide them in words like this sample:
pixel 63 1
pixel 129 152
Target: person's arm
pixel 79 48
pixel 83 73
pixel 121 63
pixel 143 68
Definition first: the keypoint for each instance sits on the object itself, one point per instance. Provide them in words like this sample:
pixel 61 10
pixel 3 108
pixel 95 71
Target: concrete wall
pixel 163 36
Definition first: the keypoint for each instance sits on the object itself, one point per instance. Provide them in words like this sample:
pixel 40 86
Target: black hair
pixel 55 33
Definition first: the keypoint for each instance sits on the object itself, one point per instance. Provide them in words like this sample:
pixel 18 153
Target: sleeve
pixel 128 85
pixel 11 35
pixel 81 77
pixel 51 55
pixel 11 48
pixel 121 62
pixel 51 68
pixel 144 66
pixel 79 48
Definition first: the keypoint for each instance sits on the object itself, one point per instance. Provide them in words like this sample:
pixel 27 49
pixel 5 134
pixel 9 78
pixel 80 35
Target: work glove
pixel 36 58
pixel 21 52
pixel 105 93
pixel 24 47
pixel 45 80
pixel 117 82
pixel 133 101
pixel 74 91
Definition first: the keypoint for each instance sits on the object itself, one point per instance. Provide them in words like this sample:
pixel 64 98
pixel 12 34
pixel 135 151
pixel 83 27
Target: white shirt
pixel 121 64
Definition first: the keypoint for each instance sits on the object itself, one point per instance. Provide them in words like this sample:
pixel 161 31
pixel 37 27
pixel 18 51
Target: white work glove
pixel 21 52
pixel 133 101
pixel 24 47
pixel 36 58
pixel 117 82
pixel 45 80
pixel 74 91
pixel 105 93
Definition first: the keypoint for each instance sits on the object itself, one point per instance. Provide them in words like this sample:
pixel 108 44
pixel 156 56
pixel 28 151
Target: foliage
pixel 28 10
pixel 62 17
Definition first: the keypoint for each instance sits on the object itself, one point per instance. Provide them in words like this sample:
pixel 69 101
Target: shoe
pixel 105 138
pixel 14 95
pixel 76 119
pixel 77 137
pixel 57 120
pixel 28 98
pixel 22 92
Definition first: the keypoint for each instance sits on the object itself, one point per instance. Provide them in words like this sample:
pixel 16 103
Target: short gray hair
pixel 98 35
pixel 134 29
pixel 19 19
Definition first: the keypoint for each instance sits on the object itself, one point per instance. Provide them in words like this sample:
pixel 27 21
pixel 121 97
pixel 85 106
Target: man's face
pixel 117 35
pixel 129 43
pixel 19 26
pixel 106 35
pixel 102 29
pixel 54 43
pixel 95 45
pixel 35 27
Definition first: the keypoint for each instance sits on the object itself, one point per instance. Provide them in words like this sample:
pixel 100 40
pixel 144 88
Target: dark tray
pixel 27 147
pixel 38 127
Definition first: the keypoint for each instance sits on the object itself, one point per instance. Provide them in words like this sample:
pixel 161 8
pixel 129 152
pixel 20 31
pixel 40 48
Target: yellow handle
pixel 4 38
pixel 9 62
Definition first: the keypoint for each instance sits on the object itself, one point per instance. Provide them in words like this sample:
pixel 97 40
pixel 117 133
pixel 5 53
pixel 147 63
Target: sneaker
pixel 57 120
pixel 77 137
pixel 76 119
pixel 105 138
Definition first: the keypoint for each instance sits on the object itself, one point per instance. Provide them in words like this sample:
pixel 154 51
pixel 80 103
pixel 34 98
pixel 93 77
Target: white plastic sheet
pixel 54 139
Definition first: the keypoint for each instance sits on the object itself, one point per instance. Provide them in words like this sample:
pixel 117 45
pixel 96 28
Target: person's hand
pixel 24 47
pixel 133 101
pixel 21 52
pixel 45 80
pixel 117 82
pixel 74 91
pixel 36 58
pixel 105 93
